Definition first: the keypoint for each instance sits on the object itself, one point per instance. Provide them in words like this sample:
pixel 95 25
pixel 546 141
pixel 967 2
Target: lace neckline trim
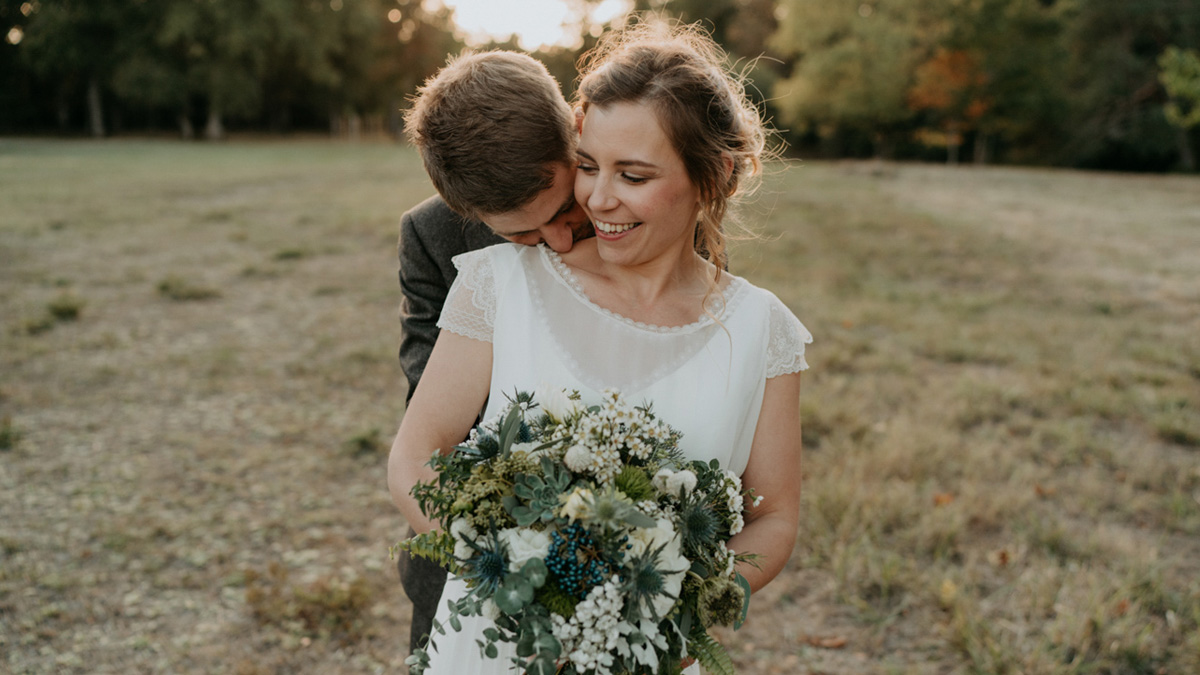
pixel 733 291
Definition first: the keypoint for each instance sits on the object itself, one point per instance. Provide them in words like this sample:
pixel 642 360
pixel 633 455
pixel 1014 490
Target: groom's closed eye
pixel 567 206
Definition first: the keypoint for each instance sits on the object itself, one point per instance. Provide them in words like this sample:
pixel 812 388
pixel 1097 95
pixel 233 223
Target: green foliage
pixel 1180 76
pixel 634 482
pixel 540 494
pixel 65 307
pixel 292 254
pixel 174 287
pixel 557 601
pixel 711 655
pixel 367 443
pixel 9 434
pixel 435 546
pixel 38 325
pixel 851 70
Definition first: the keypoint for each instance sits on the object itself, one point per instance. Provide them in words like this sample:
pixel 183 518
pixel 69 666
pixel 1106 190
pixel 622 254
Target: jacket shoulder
pixel 439 226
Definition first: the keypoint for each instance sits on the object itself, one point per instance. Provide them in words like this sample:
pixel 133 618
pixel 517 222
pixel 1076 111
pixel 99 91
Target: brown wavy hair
pixel 489 127
pixel 702 105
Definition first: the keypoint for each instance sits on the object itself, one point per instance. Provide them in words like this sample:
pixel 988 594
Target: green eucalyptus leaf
pixel 546 643
pixel 543 664
pixel 525 643
pixel 536 572
pixel 639 519
pixel 509 429
pixel 513 594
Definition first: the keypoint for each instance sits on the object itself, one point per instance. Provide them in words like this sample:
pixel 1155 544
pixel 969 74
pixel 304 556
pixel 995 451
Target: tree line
pixel 1111 84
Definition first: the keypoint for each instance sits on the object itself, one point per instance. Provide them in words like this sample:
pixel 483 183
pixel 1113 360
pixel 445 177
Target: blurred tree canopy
pixel 1090 83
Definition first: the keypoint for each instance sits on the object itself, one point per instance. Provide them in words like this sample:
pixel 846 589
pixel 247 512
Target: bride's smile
pixel 634 186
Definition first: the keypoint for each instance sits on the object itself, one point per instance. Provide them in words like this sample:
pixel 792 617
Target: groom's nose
pixel 559 237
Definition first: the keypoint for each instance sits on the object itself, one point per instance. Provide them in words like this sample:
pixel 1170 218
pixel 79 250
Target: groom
pixel 498 142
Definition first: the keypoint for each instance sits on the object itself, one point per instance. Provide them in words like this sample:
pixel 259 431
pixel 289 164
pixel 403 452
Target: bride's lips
pixel 612 230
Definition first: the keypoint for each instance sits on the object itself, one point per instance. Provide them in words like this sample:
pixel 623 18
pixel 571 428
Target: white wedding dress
pixel 706 379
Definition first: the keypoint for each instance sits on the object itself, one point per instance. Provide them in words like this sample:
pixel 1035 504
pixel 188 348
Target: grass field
pixel 198 385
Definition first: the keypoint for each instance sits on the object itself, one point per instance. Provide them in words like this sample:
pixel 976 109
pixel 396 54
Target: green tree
pixel 413 42
pixel 1179 73
pixel 1003 59
pixel 78 45
pixel 953 87
pixel 744 28
pixel 853 64
pixel 1117 116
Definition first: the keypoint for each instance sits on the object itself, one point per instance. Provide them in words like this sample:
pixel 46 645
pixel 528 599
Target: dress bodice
pixel 706 378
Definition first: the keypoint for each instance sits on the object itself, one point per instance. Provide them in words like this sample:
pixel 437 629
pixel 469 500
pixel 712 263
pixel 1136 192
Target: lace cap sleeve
pixel 785 346
pixel 470 308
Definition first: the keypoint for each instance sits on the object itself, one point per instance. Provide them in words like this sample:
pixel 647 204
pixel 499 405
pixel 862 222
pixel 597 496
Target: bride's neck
pixel 668 290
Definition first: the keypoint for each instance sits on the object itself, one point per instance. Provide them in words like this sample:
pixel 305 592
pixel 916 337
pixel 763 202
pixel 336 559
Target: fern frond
pixel 437 546
pixel 711 655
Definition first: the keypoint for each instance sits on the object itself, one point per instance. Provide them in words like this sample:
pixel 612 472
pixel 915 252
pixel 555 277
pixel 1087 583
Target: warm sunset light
pixel 536 23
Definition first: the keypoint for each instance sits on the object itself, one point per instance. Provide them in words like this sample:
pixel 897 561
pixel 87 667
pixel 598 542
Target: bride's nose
pixel 602 197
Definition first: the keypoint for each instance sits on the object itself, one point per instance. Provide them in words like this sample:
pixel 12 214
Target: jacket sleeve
pixel 423 287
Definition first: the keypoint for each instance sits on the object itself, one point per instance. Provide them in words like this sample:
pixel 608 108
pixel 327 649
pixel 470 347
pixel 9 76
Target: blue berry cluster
pixel 574 561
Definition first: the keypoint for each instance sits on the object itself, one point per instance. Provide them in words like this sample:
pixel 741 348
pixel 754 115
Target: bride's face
pixel 634 186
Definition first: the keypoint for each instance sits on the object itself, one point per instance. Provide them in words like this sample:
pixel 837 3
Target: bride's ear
pixel 579 119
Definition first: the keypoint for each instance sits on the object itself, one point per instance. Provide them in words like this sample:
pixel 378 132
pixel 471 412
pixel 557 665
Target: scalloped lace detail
pixel 785 345
pixel 470 308
pixel 717 305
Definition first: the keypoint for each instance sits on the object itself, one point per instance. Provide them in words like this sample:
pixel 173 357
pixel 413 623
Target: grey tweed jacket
pixel 430 235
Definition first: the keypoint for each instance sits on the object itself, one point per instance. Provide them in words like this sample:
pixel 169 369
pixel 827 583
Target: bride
pixel 667 140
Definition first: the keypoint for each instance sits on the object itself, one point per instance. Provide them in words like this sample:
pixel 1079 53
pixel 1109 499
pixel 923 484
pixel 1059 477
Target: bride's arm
pixel 443 409
pixel 774 473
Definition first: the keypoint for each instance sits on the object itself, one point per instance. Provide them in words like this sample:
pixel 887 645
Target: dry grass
pixel 198 353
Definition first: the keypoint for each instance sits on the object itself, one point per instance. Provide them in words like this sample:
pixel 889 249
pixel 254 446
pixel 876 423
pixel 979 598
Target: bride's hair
pixel 680 72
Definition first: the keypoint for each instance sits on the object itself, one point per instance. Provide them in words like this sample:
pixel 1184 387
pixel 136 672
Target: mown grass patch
pixel 999 422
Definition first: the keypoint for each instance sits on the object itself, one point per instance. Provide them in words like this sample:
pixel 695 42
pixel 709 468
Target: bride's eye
pixel 585 167
pixel 636 180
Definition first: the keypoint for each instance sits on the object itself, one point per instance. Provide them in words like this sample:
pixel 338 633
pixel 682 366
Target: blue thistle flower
pixel 485 570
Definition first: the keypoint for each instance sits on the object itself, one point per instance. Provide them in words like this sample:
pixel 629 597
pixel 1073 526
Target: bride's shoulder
pixel 503 253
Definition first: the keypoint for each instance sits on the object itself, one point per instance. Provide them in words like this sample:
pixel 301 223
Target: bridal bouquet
pixel 588 538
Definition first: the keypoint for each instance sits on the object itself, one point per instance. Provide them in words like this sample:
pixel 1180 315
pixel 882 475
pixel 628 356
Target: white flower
pixel 671 563
pixel 681 483
pixel 673 566
pixel 526 448
pixel 577 505
pixel 645 652
pixel 489 610
pixel 462 532
pixel 524 544
pixel 555 402
pixel 589 635
pixel 674 483
pixel 578 458
pixel 660 479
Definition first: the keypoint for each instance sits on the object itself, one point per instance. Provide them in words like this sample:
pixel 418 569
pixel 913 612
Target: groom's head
pixel 498 141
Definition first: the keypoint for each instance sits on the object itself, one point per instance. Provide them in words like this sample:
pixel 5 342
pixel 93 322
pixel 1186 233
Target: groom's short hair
pixel 489 127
